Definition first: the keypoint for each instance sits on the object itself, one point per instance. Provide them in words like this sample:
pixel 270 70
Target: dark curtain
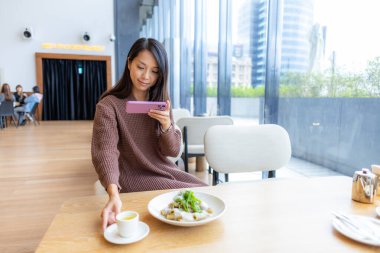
pixel 72 88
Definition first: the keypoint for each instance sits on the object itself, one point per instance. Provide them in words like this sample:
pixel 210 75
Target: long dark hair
pixel 6 90
pixel 159 91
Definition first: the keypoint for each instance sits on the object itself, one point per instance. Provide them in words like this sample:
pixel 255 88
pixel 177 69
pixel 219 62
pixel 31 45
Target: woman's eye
pixel 155 72
pixel 139 67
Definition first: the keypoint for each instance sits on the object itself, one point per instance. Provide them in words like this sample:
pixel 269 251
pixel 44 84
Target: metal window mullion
pixel 174 53
pixel 224 58
pixel 166 39
pixel 160 21
pixel 200 58
pixel 155 22
pixel 273 62
pixel 184 58
pixel 148 27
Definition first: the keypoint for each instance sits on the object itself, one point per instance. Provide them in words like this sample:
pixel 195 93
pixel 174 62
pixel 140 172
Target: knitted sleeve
pixel 104 150
pixel 170 141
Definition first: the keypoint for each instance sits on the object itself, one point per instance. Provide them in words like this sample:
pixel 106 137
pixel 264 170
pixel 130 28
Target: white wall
pixel 53 21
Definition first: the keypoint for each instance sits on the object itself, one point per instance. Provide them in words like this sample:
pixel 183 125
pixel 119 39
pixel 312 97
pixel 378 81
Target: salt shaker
pixel 376 170
pixel 363 186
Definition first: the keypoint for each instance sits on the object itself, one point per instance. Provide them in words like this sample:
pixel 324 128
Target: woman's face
pixel 144 71
pixel 19 89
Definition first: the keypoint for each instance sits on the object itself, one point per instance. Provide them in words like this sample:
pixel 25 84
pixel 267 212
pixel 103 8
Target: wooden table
pixel 283 215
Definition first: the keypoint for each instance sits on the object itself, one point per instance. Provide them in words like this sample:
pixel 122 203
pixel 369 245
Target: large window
pixel 249 22
pixel 316 63
pixel 330 81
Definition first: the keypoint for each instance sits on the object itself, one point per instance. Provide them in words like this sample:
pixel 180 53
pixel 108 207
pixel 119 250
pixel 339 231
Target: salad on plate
pixel 187 207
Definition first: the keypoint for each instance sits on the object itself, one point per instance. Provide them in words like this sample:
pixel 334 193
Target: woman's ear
pixel 129 64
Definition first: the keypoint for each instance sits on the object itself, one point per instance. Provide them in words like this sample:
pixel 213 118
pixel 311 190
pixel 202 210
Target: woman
pixel 6 94
pixel 129 150
pixel 19 95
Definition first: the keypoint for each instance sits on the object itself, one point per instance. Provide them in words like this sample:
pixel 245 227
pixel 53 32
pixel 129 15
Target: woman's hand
pixel 112 208
pixel 162 116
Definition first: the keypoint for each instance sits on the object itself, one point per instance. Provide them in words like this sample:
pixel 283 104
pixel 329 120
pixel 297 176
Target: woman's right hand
pixel 111 209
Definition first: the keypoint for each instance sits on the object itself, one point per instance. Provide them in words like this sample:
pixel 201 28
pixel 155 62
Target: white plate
pixel 162 201
pixel 112 235
pixel 350 232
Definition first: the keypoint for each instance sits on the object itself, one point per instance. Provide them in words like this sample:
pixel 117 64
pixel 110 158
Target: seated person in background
pixel 28 106
pixel 6 94
pixel 19 95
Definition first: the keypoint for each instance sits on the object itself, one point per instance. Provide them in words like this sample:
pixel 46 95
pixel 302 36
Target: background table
pixel 283 215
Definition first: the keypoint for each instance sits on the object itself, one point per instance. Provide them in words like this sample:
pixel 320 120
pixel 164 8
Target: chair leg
pixel 271 174
pixel 34 120
pixel 215 177
pixel 186 160
pixel 226 177
pixel 268 174
pixel 14 121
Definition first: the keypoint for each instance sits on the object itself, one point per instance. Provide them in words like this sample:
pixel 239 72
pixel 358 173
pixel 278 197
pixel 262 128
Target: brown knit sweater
pixel 130 150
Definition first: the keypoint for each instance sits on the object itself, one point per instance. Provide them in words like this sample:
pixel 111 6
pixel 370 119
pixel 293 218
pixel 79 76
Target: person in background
pixel 129 151
pixel 28 106
pixel 19 95
pixel 6 94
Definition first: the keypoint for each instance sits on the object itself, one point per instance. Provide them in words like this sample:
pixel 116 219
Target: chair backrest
pixel 197 126
pixel 180 113
pixel 34 109
pixel 236 148
pixel 6 108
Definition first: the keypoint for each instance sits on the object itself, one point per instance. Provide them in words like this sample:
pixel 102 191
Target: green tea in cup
pixel 129 217
pixel 127 223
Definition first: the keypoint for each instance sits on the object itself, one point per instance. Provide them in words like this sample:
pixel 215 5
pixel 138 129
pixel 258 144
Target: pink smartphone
pixel 144 106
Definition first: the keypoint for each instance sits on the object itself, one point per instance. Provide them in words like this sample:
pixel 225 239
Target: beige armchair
pixel 193 130
pixel 180 113
pixel 231 149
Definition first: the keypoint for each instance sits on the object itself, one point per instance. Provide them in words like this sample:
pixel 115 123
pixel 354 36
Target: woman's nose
pixel 146 74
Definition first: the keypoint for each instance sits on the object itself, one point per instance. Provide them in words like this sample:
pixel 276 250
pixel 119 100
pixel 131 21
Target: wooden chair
pixel 232 149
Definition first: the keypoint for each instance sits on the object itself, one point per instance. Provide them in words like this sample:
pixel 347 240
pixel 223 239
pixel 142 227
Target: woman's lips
pixel 143 83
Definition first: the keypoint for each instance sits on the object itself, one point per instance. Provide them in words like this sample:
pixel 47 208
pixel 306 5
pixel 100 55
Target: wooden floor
pixel 40 167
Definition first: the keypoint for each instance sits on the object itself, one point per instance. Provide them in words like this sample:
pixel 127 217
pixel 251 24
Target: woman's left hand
pixel 162 116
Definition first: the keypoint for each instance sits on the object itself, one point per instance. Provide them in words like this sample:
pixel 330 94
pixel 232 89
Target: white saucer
pixel 352 232
pixel 112 235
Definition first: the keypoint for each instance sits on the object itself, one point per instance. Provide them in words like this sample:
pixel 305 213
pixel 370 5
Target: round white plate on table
pixel 112 235
pixel 350 232
pixel 162 201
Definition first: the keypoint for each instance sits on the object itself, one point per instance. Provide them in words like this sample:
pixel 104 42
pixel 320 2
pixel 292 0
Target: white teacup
pixel 127 223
